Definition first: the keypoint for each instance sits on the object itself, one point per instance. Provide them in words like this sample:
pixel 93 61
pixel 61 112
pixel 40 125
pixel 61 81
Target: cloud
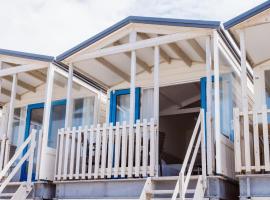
pixel 53 26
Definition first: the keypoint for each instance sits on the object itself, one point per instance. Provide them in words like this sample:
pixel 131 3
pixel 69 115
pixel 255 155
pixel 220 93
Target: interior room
pixel 179 110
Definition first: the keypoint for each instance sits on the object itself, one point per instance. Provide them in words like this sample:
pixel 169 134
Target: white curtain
pixel 147 106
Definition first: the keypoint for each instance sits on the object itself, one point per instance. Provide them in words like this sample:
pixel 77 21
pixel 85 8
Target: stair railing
pixel 8 172
pixel 197 139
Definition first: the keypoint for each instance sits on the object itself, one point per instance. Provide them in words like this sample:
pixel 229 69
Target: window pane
pixel 18 127
pixel 58 113
pixel 122 108
pixel 83 112
pixel 147 103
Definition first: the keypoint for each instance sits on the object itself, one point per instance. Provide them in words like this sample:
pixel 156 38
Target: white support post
pixel 209 141
pixel 156 101
pixel 11 116
pixel 69 104
pixel 132 39
pixel 156 84
pixel 217 103
pixel 245 100
pixel 48 102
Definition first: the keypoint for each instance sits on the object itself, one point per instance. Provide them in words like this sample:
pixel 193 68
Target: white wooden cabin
pixel 30 84
pixel 142 110
pixel 251 32
pixel 158 74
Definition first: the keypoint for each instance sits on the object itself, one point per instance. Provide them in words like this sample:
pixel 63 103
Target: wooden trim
pixel 113 68
pixel 20 69
pixel 180 53
pixel 163 53
pixel 156 83
pixel 217 103
pixel 37 75
pixel 132 39
pixel 142 44
pixel 140 62
pixel 8 93
pixel 21 84
pixel 69 104
pixel 197 48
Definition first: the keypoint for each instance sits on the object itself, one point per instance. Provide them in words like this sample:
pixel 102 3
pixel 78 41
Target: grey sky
pixel 53 26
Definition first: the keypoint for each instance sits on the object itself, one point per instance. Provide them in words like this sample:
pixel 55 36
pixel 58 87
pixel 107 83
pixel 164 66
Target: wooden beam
pixel 38 75
pixel 8 93
pixel 180 53
pixel 197 47
pixel 190 100
pixel 21 84
pixel 142 63
pixel 20 69
pixel 113 68
pixel 163 53
pixel 149 43
pixel 172 110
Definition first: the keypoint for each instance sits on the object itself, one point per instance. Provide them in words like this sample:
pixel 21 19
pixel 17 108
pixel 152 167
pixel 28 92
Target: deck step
pixel 161 191
pixel 6 194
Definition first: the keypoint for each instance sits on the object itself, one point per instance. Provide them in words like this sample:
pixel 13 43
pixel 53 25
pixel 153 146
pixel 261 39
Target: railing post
pixel 203 154
pixel 181 185
pixel 237 140
pixel 31 156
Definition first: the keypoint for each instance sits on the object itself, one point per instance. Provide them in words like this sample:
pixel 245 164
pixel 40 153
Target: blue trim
pixel 113 101
pixel 142 20
pixel 23 175
pixel 26 55
pixel 204 102
pixel 246 15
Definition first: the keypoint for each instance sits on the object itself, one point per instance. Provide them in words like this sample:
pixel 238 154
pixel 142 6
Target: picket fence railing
pixel 107 151
pixel 251 141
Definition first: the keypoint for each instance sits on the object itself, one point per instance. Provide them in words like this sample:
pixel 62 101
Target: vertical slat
pixel 117 150
pixel 61 133
pixel 72 153
pixel 203 150
pixel 152 147
pixel 145 147
pixel 138 149
pixel 104 150
pixel 39 153
pixel 78 153
pixel 124 150
pixel 265 139
pixel 130 149
pixel 237 141
pixel 97 152
pixel 256 141
pixel 90 152
pixel 67 139
pixel 3 144
pixel 110 151
pixel 85 137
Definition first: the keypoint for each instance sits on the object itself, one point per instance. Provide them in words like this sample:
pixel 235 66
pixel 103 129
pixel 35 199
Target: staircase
pixel 18 190
pixel 186 185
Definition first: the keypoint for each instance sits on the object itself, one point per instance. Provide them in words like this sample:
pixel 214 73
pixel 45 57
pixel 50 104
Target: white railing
pixel 251 142
pixel 4 144
pixel 108 151
pixel 197 139
pixel 21 155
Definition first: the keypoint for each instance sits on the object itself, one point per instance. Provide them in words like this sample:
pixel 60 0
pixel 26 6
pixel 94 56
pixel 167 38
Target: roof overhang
pixel 256 25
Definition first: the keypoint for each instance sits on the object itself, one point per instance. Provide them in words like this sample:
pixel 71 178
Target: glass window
pixel 57 122
pixel 147 103
pixel 83 111
pixel 18 128
pixel 122 107
pixel 267 88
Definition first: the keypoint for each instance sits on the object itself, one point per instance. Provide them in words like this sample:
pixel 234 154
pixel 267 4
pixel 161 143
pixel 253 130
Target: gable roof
pixel 246 15
pixel 26 55
pixel 142 20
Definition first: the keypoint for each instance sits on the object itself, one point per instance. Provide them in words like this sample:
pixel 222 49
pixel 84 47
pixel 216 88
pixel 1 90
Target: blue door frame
pixel 113 103
pixel 30 108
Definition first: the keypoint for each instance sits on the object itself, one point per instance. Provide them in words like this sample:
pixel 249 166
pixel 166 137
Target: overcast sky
pixel 53 26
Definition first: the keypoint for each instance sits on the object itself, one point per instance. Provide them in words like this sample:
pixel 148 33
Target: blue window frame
pixel 114 97
pixel 30 108
pixel 226 104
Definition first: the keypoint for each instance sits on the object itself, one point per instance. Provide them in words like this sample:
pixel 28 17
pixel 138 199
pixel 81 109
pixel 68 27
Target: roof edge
pixel 143 20
pixel 246 15
pixel 26 55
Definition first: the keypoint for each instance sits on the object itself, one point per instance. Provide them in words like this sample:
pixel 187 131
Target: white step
pixel 6 194
pixel 161 191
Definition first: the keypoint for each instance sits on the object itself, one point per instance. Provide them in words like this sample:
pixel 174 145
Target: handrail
pixel 184 178
pixel 31 140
